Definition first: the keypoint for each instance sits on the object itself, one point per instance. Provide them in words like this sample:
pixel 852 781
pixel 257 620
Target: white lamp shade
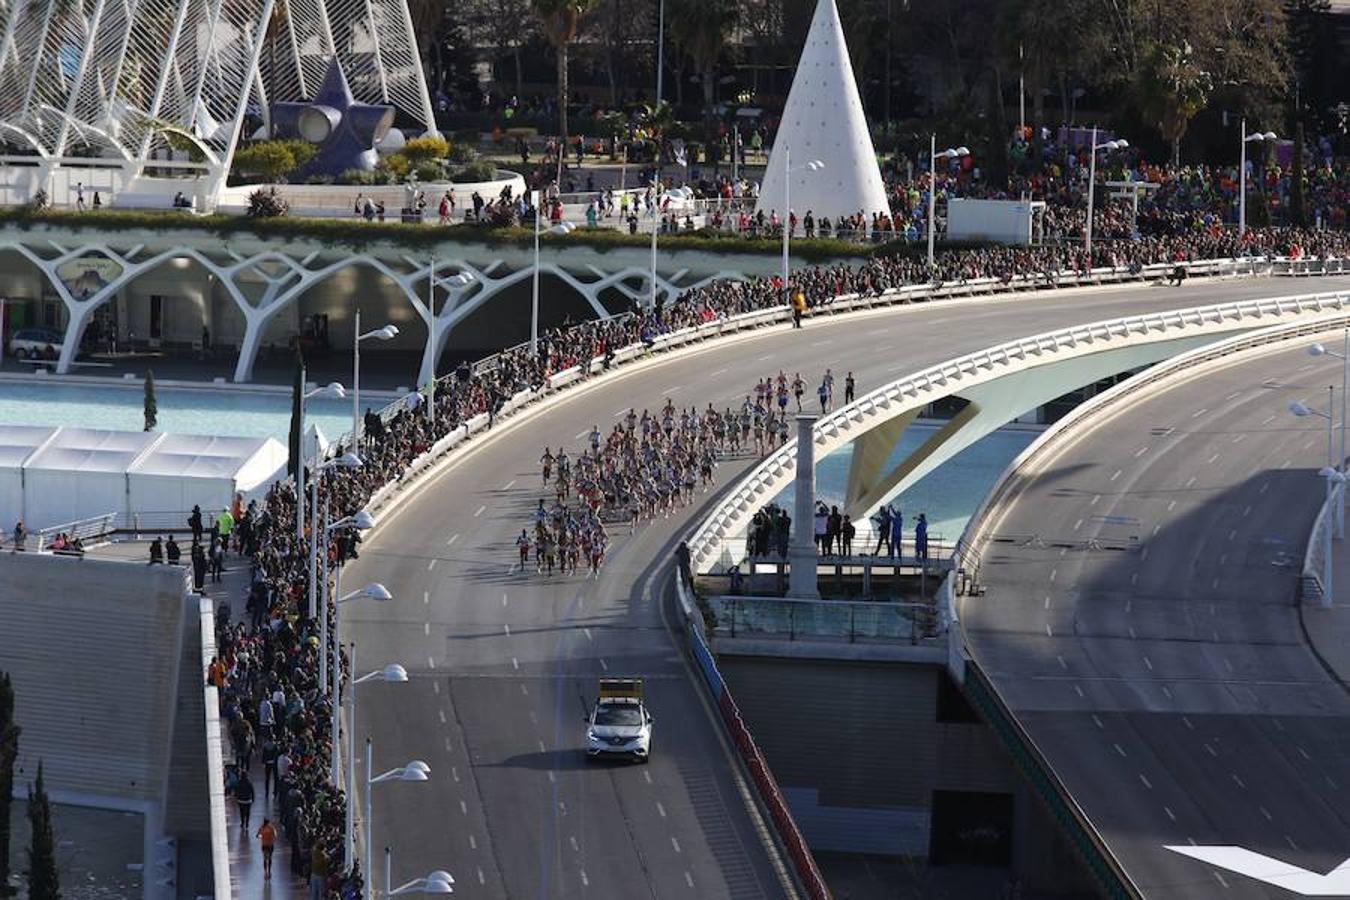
pixel 376 591
pixel 395 673
pixel 363 520
pixel 1299 409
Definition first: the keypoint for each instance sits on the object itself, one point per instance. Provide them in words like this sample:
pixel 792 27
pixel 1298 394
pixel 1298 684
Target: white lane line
pixel 482 879
pixel 688 879
pixel 1199 412
pixel 1157 528
pixel 1228 664
pixel 515 664
pixel 435 687
pixel 1246 511
pixel 770 355
pixel 1129 605
pixel 1292 845
pixel 1214 583
pixel 1120 750
pixel 1265 812
pixel 481 510
pixel 676 844
pixel 1134 579
pixel 587 632
pixel 431 565
pixel 552 777
pixel 1171 815
pixel 1190 481
pixel 1286 464
pixel 510 484
pixel 441 712
pixel 1077 525
pixel 1171 504
pixel 426 598
pixel 431 663
pixel 1304 753
pixel 1117 475
pixel 1211 751
pixel 1331 783
pixel 1048 632
pixel 542 748
pixel 581 434
pixel 1187 722
pixel 1238 781
pixel 660 810
pixel 1143 554
pixel 672 389
pixel 507 629
pixel 1095 498
pixel 426 628
pixel 1237 438
pixel 1148 784
pixel 647 776
pixel 1213 459
pixel 619 412
pixel 1053 574
pixel 453 538
pixel 1264 485
pixel 1266 421
pixel 604 665
pixel 1223 558
pixel 1133 636
pixel 524 690
pixel 1232 533
pixel 716 373
pixel 1078 689
pixel 449 747
pixel 454 770
pixel 1062 664
pixel 503 599
pixel 473 842
pixel 1098 722
pixel 1047 602
pixel 1140 452
pixel 572 839
pixel 1217 873
pixel 584 880
pixel 1166 693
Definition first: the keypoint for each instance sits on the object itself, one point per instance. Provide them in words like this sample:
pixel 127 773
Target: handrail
pixel 215 753
pixel 89 527
pixel 834 429
pixel 1315 556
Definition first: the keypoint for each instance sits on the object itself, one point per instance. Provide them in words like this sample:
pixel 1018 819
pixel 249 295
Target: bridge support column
pixel 802 546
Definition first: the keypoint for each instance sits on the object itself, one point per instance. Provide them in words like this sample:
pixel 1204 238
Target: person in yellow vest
pixel 798 308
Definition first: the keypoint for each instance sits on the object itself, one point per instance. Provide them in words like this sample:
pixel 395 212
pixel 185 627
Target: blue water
pixel 230 413
pixel 948 496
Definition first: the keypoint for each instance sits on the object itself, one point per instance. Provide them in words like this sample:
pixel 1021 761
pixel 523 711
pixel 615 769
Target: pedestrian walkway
pixel 246 868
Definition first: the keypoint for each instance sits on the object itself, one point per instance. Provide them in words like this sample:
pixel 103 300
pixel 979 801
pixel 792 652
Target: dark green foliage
pixel 43 882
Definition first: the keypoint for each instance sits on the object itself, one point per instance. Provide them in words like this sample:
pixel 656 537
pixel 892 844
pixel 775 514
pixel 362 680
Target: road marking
pixel 1140 452
pixel 1117 475
pixel 1292 845
pixel 507 628
pixel 1148 784
pixel 1223 558
pixel 524 690
pixel 1171 815
pixel 661 810
pixel 552 777
pixel 1120 750
pixel 584 880
pixel 1188 723
pixel 510 484
pixel 647 775
pixel 1238 781
pixel 1213 459
pixel 1304 753
pixel 481 510
pixel 764 357
pixel 426 598
pixel 1232 534
pixel 1077 525
pixel 1228 664
pixel 1156 528
pixel 463 808
pixel 1098 722
pixel 1190 481
pixel 473 842
pixel 1199 412
pixel 1134 579
pixel 1286 464
pixel 581 434
pixel 482 879
pixel 435 687
pixel 449 747
pixel 1171 505
pixel 676 844
pixel 1132 634
pixel 454 770
pixel 431 663
pixel 1095 498
pixel 1265 812
pixel 542 748
pixel 1264 485
pixel 442 715
pixel 718 372
pixel 1053 573
pixel 1079 691
pixel 1219 876
pixel 604 665
pixel 453 538
pixel 1246 511
pixel 1143 554
pixel 1211 751
pixel 572 839
pixel 688 879
pixel 587 632
pixel 1166 692
pixel 1048 632
pixel 1214 583
pixel 1237 438
pixel 431 565
pixel 1148 662
pixel 503 599
pixel 1062 664
pixel 1267 420
pixel 562 807
pixel 1331 783
pixel 515 663
pixel 1129 604
pixel 426 628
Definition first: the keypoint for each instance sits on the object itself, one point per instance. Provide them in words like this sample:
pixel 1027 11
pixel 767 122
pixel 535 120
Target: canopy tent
pixel 52 476
pixel 17 444
pixel 184 470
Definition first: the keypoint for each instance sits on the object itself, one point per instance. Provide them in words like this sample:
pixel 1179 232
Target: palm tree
pixel 700 28
pixel 560 20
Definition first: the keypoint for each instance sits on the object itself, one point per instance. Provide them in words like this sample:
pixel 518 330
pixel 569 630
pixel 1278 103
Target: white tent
pixel 823 121
pixel 81 472
pixel 17 444
pixel 184 470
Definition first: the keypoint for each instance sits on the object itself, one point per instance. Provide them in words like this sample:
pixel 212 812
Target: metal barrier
pixel 92 528
pixel 1312 583
pixel 848 620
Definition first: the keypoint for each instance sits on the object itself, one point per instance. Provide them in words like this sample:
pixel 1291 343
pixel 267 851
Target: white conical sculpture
pixel 823 121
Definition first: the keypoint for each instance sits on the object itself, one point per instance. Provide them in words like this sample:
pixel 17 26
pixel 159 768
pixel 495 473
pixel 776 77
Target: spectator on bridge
pixel 20 535
pixel 157 551
pixel 847 531
pixel 921 538
pixel 882 521
pixel 195 522
pixel 172 551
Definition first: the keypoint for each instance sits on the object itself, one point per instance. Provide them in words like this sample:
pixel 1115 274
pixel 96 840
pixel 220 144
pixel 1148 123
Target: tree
pixel 151 405
pixel 294 460
pixel 700 28
pixel 1172 86
pixel 9 752
pixel 560 20
pixel 43 883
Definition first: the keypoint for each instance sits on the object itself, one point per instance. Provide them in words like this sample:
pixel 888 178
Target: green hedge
pixel 359 234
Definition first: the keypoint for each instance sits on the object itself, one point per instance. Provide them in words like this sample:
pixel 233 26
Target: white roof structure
pixel 52 476
pixel 823 120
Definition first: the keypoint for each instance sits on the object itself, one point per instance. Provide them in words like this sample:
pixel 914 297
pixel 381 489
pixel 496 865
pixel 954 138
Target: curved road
pixel 1163 670
pixel 503 664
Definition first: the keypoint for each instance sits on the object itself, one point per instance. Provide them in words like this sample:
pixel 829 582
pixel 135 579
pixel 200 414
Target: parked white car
pixel 35 343
pixel 619 725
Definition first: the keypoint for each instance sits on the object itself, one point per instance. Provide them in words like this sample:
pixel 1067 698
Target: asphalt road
pixel 503 664
pixel 1162 668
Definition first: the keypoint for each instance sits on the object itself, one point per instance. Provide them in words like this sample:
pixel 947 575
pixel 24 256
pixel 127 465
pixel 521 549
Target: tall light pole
pixel 332 390
pixel 457 281
pixel 345 461
pixel 1344 357
pixel 933 157
pixel 379 593
pixel 387 333
pixel 814 165
pixel 1333 478
pixel 1254 137
pixel 413 771
pixel 1119 144
pixel 392 674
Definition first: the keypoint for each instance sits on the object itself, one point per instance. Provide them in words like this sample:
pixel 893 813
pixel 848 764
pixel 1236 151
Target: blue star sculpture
pixel 344 130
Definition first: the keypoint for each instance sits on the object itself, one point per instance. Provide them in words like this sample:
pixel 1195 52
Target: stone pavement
pixel 246 875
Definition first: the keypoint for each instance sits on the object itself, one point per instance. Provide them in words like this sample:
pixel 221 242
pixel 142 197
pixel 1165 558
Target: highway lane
pixel 504 663
pixel 1163 669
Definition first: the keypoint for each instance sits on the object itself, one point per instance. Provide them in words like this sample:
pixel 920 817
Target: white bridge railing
pixel 843 425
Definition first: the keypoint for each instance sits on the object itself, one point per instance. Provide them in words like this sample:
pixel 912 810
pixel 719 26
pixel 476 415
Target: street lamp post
pixel 345 461
pixel 560 228
pixel 1334 480
pixel 387 333
pixel 437 882
pixel 933 157
pixel 1254 137
pixel 416 770
pixel 1344 357
pixel 331 390
pixel 375 591
pixel 814 165
pixel 1118 144
pixel 458 281
pixel 393 674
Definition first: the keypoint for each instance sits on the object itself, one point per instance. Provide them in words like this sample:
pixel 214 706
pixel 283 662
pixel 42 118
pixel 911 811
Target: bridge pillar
pixel 802 546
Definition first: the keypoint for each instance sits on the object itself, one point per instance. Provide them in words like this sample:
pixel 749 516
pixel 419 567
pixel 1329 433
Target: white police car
pixel 619 725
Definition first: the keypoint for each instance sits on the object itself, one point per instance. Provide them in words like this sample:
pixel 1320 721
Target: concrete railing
pixel 838 428
pixel 215 758
pixel 766 786
pixel 1313 585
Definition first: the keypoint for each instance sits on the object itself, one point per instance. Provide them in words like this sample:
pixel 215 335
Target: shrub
pixel 357 176
pixel 320 179
pixel 268 160
pixel 394 168
pixel 474 172
pixel 463 154
pixel 431 170
pixel 267 204
pixel 424 149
